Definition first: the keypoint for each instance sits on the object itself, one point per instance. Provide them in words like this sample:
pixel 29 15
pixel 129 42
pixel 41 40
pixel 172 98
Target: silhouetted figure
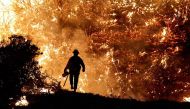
pixel 73 67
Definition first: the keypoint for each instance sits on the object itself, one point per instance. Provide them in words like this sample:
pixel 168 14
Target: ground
pixel 70 100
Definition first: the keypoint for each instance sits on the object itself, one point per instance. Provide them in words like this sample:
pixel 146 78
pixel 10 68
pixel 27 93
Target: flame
pixel 151 22
pixel 164 61
pixel 46 55
pixel 7 17
pixel 46 90
pixel 164 33
pixel 22 102
pixel 186 99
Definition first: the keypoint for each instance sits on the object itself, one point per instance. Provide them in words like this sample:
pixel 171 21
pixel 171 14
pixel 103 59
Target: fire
pixel 164 61
pixel 151 22
pixel 45 56
pixel 186 99
pixel 120 41
pixel 6 3
pixel 22 102
pixel 46 90
pixel 7 17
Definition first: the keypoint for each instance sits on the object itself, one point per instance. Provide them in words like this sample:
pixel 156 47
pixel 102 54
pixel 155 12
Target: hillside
pixel 70 100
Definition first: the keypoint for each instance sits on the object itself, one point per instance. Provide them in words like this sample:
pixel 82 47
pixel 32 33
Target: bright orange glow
pixel 125 44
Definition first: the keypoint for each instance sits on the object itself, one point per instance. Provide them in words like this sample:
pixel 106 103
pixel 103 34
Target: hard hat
pixel 76 51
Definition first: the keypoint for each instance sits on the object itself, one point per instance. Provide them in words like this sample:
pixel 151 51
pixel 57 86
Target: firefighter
pixel 73 68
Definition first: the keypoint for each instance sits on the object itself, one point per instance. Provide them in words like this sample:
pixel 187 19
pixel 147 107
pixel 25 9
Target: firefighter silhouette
pixel 73 68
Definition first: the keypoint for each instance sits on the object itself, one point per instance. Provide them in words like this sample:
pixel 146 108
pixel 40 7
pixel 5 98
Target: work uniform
pixel 74 65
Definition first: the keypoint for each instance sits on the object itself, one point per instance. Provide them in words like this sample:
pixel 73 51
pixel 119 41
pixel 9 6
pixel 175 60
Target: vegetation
pixel 18 67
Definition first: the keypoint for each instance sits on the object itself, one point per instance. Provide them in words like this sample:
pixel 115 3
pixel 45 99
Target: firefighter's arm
pixel 83 66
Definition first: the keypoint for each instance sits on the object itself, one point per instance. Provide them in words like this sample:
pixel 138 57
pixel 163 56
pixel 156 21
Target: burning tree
pixel 18 66
pixel 150 45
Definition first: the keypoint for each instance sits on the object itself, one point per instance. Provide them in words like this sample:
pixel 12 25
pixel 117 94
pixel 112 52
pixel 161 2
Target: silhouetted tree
pixel 18 66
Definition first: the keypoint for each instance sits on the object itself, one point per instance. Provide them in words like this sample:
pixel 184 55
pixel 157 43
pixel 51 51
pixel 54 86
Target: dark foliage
pixel 18 66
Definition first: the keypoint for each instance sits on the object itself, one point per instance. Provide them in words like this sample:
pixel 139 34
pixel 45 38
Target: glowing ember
pixel 22 102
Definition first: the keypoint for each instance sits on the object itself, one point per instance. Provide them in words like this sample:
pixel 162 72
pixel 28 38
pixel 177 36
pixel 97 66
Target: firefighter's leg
pixel 71 80
pixel 76 76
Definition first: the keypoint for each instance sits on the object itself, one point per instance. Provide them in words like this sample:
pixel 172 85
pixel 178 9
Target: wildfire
pixel 125 44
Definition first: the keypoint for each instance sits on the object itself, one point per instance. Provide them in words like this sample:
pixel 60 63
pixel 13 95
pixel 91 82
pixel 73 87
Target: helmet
pixel 76 51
